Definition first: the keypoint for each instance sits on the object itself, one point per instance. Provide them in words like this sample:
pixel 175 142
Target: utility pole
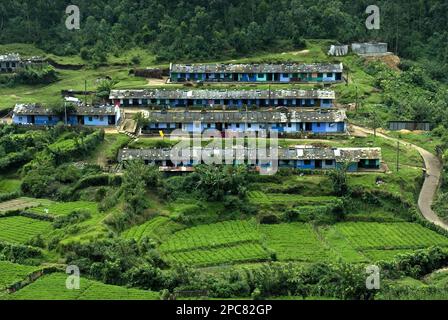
pixel 398 155
pixel 375 124
pixel 269 95
pixel 85 92
pixel 65 110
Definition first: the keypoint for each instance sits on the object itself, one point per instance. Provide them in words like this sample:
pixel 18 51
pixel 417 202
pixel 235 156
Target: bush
pixel 18 253
pixel 36 75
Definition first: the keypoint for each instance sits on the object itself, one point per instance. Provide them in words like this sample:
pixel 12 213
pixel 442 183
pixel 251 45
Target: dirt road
pixel 431 183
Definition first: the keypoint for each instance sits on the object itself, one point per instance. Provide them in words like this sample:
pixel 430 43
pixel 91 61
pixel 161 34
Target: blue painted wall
pixel 96 120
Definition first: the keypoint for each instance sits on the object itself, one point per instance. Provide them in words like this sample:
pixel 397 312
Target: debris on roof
pixel 257 68
pixel 221 94
pixel 246 117
pixel 341 155
pixel 34 109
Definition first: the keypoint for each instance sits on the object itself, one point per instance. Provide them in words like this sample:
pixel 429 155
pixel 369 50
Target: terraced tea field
pixel 243 241
pixel 11 273
pixel 158 229
pixel 213 235
pixel 239 253
pixel 294 241
pixel 220 243
pixel 64 208
pixel 261 198
pixel 373 241
pixel 21 229
pixel 53 287
pixel 400 235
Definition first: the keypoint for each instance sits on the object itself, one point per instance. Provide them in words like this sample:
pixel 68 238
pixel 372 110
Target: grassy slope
pixel 53 287
pixel 119 69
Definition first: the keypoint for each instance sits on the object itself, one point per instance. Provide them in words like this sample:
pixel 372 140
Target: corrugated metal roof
pixel 243 117
pixel 221 94
pixel 308 153
pixel 257 68
pixel 14 57
pixel 33 109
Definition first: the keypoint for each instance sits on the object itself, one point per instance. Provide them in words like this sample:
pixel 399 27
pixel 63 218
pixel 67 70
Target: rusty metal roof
pixel 34 109
pixel 245 117
pixel 257 68
pixel 299 153
pixel 221 94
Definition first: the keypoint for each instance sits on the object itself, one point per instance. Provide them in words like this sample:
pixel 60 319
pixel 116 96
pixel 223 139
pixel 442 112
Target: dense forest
pixel 202 29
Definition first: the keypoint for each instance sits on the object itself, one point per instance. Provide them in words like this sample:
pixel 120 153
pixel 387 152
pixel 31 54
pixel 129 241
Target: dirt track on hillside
pixel 431 183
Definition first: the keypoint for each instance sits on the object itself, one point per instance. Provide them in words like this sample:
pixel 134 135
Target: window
pixel 318 124
pixel 328 162
pixel 101 118
pixel 329 75
pixel 285 75
pixel 289 125
pixel 90 119
pixel 209 125
pixel 237 125
pixel 50 118
pixel 320 75
pixel 307 162
pixel 249 125
pixel 261 75
pixel 20 118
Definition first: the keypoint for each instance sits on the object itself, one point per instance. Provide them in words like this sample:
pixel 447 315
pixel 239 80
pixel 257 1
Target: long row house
pixel 299 157
pixel 229 98
pixel 290 122
pixel 32 114
pixel 258 73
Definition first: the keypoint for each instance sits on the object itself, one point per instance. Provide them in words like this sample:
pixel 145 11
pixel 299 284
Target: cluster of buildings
pixel 11 62
pixel 288 111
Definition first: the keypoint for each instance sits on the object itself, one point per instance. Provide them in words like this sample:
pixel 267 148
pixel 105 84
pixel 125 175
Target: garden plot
pixel 21 204
pixel 64 208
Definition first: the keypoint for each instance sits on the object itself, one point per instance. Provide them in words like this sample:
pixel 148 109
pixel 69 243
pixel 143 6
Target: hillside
pixel 136 230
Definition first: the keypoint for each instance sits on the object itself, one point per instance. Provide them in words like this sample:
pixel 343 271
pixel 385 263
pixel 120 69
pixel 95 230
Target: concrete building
pixel 11 62
pixel 370 48
pixel 298 157
pixel 32 114
pixel 257 73
pixel 292 122
pixel 228 98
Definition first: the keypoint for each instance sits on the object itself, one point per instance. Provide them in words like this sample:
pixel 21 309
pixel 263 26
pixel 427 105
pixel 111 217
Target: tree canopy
pixel 202 29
